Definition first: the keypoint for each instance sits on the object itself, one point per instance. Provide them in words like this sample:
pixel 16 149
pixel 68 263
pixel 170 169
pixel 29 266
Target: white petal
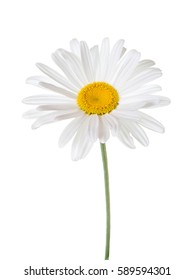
pixel 150 122
pixel 130 61
pixel 142 65
pixel 83 147
pixel 159 101
pixel 93 127
pixel 112 123
pixel 123 52
pixel 144 101
pixel 46 100
pixel 116 53
pixel 75 64
pixel 87 61
pixel 128 114
pixel 104 132
pixel 137 132
pixel 104 58
pixel 95 56
pixel 43 110
pixel 45 82
pixel 62 63
pixel 59 90
pixel 35 80
pixel 45 119
pixel 33 114
pixel 125 138
pixel 56 76
pixel 75 47
pixel 93 52
pixel 132 105
pixel 146 89
pixel 141 79
pixel 68 107
pixel 70 131
pixel 86 149
pixel 69 115
pixel 82 143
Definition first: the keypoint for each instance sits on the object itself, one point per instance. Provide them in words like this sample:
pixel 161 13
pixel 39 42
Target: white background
pixel 52 209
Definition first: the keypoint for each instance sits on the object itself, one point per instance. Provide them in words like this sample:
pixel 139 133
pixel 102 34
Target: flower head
pixel 102 90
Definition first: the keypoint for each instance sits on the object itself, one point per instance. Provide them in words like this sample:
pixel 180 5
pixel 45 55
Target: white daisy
pixel 102 90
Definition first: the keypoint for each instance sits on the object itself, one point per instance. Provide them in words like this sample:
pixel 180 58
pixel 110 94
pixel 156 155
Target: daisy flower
pixel 103 91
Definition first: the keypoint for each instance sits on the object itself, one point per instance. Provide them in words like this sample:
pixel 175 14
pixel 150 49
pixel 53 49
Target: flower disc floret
pixel 98 98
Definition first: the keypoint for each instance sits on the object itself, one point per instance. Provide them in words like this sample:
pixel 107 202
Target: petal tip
pixel 24 100
pixel 39 65
pixel 168 101
pixel 24 115
pixel 161 129
pixel 146 144
pixel 60 144
pixel 34 126
pixel 27 81
pixel 74 158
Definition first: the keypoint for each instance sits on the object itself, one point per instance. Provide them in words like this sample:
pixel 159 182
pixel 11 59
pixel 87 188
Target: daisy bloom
pixel 103 90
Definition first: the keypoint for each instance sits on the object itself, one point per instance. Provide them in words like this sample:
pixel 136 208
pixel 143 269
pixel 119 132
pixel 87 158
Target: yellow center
pixel 97 98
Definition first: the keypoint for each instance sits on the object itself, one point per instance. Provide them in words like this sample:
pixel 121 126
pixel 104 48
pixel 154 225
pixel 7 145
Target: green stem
pixel 107 196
